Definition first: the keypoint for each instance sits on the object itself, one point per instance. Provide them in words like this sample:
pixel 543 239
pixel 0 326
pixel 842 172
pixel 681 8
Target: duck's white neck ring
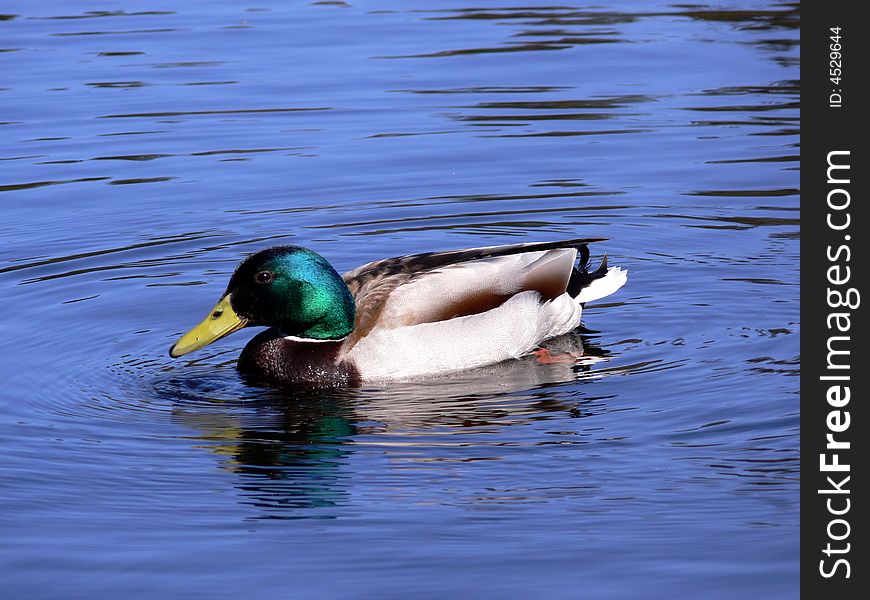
pixel 293 338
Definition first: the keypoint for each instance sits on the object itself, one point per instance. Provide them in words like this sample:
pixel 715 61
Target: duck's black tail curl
pixel 581 276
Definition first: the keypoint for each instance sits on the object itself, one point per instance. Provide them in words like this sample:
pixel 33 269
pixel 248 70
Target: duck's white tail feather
pixel 614 279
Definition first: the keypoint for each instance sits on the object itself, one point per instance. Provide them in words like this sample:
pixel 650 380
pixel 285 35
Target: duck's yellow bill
pixel 221 322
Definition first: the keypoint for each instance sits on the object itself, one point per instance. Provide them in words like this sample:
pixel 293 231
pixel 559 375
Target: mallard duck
pixel 412 316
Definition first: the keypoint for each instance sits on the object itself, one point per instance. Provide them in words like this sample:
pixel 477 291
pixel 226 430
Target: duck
pixel 414 316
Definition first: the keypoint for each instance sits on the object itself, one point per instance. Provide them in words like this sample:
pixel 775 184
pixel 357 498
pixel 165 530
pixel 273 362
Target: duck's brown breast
pixel 273 358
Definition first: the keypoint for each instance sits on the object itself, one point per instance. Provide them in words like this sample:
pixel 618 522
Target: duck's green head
pixel 288 287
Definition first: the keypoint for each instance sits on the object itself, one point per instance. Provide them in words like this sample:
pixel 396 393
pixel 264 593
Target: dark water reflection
pixel 145 149
pixel 291 447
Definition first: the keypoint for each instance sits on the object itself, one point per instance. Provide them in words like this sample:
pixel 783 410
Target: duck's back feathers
pixel 416 264
pixel 473 287
pixel 429 314
pixel 438 286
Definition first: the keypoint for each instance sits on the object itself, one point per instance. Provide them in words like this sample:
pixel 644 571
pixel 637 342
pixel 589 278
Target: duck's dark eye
pixel 264 277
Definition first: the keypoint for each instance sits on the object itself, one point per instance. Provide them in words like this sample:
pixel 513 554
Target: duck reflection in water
pixel 290 447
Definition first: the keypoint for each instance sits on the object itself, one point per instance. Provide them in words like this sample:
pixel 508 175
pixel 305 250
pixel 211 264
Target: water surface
pixel 145 148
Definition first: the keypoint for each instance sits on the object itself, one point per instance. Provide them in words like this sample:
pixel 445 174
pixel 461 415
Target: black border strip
pixel 834 73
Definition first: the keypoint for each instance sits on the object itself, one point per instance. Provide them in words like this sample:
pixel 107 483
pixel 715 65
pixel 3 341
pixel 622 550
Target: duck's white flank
pixel 509 331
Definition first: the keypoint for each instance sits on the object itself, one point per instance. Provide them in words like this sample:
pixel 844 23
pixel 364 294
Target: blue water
pixel 146 147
